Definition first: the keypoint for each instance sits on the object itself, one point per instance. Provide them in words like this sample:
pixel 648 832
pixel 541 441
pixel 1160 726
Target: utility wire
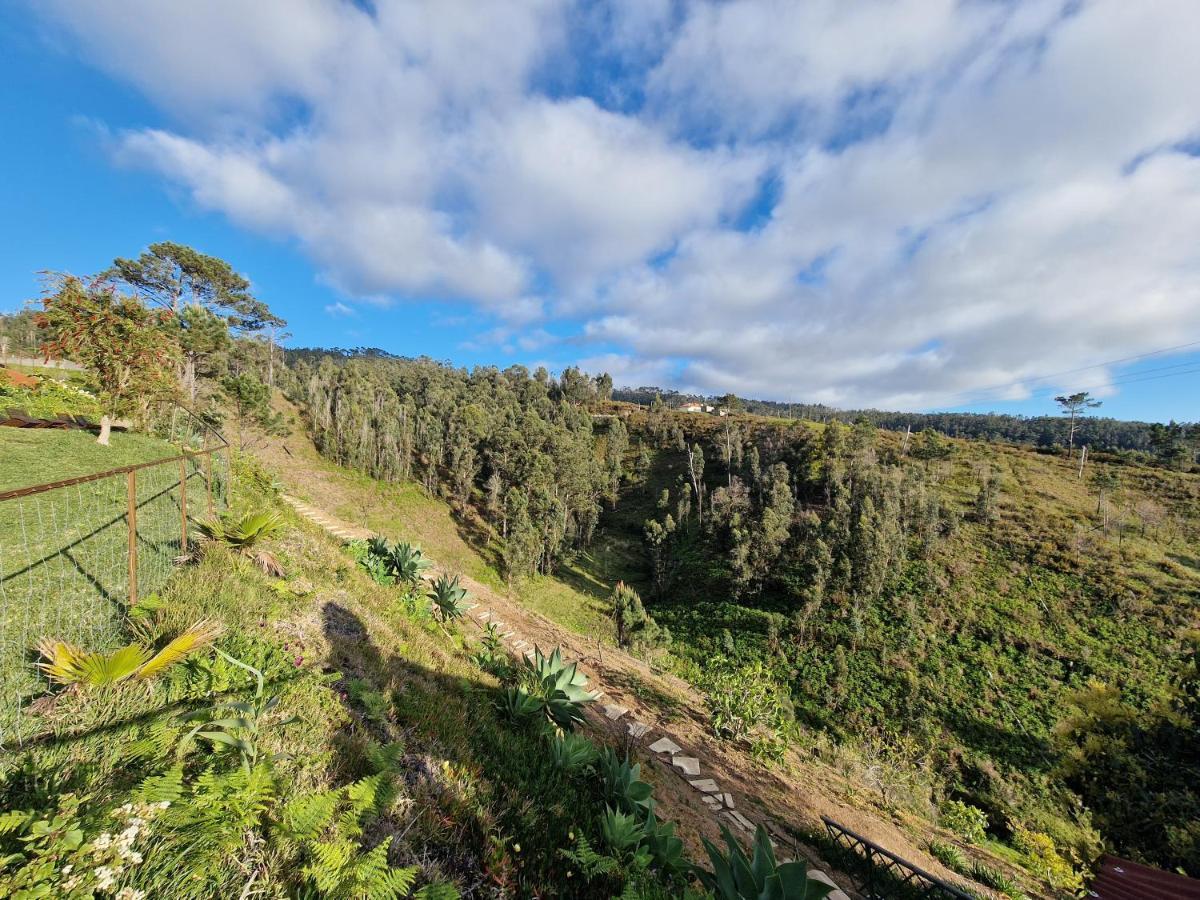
pixel 984 393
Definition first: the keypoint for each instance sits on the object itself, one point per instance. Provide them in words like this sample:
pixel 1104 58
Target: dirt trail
pixel 671 707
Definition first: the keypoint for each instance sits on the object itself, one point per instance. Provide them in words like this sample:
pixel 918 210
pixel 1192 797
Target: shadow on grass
pixel 490 783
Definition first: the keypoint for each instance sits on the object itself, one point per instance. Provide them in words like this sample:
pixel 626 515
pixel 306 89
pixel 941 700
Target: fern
pixel 167 786
pixel 440 891
pixel 591 864
pixel 305 817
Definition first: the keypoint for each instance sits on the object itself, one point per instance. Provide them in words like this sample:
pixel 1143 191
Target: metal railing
pixel 884 875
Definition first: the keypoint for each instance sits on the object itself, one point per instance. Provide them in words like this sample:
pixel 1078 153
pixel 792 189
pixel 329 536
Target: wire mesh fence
pixel 75 554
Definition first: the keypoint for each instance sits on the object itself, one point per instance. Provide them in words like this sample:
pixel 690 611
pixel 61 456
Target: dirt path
pixel 797 794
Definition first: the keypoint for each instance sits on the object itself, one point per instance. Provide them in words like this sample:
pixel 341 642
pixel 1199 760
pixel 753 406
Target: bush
pixel 746 703
pixel 967 821
pixel 1043 859
pixel 949 856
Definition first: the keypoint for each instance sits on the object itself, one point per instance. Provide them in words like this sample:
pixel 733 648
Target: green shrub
pixel 745 703
pixel 949 856
pixel 967 821
pixel 1043 859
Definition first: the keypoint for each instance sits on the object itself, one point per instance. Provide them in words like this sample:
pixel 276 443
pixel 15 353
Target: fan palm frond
pixel 194 638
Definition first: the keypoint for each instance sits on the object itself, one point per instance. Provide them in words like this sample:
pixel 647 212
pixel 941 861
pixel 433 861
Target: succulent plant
pixel 447 596
pixel 736 877
pixel 561 688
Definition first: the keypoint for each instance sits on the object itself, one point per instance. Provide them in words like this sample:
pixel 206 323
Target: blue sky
pixel 920 204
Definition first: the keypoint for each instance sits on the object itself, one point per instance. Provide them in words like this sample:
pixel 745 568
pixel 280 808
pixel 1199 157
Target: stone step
pixel 614 712
pixel 664 745
pixel 727 799
pixel 688 765
pixel 639 729
pixel 706 786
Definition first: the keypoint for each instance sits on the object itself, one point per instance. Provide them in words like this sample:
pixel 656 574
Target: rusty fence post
pixel 131 520
pixel 183 541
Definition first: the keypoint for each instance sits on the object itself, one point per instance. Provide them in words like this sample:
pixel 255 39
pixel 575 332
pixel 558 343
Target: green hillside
pixel 957 611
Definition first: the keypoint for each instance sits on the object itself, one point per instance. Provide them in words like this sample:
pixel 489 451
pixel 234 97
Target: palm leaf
pixel 60 661
pixel 195 638
pixel 109 668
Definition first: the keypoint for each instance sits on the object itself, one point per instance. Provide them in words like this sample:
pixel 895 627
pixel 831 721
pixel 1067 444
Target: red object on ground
pixel 1120 879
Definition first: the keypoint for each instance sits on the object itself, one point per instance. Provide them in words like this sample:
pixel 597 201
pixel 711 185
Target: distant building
pixel 691 406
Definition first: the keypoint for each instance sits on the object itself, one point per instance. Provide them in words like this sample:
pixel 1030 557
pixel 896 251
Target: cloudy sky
pixel 900 203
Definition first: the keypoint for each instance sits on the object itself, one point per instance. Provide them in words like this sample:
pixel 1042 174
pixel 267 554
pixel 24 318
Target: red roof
pixel 1120 879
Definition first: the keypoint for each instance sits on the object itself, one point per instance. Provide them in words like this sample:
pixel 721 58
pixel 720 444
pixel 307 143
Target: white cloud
pixel 970 193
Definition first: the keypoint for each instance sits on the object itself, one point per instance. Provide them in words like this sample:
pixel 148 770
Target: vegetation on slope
pixel 341 741
pixel 935 602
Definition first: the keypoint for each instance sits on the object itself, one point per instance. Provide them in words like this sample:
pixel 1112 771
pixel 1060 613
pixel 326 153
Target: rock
pixel 639 729
pixel 688 765
pixel 741 820
pixel 664 745
pixel 706 786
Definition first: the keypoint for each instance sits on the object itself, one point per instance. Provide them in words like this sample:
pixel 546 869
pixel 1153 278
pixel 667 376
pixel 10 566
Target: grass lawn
pixel 64 553
pixel 38 455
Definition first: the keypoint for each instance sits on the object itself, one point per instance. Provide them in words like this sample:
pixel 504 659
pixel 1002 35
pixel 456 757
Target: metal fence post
pixel 131 518
pixel 183 541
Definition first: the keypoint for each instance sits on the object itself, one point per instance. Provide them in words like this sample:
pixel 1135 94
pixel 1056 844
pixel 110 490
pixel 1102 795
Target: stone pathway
pixel 719 802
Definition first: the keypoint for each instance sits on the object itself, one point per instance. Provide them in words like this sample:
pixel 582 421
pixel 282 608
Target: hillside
pixel 949 611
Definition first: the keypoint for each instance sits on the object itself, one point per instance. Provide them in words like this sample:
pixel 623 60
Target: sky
pixel 906 204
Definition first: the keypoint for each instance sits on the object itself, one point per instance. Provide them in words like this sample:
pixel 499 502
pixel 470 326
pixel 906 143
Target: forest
pixel 1177 442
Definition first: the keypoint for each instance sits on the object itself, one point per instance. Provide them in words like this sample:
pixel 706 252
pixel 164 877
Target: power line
pixel 979 394
pixel 1099 365
pixel 1142 376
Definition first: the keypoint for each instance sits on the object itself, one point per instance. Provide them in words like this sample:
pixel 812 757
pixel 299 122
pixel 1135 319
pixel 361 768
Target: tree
pixel 202 336
pixel 128 349
pixel 250 400
pixel 174 275
pixel 1168 444
pixel 1074 405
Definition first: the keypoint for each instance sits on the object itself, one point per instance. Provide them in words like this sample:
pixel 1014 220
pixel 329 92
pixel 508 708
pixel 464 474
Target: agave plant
pixel 407 563
pixel 736 877
pixel 448 597
pixel 68 664
pixel 665 849
pixel 623 836
pixel 517 705
pixel 560 688
pixel 572 752
pixel 622 781
pixel 244 533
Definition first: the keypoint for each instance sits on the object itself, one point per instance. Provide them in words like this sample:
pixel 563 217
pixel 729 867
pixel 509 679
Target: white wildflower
pixel 128 893
pixel 129 834
pixel 105 877
pixel 103 842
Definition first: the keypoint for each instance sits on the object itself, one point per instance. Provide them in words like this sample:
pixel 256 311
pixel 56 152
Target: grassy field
pixel 64 553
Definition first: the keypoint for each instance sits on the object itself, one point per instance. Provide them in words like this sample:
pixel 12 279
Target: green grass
pixel 64 553
pixel 31 456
